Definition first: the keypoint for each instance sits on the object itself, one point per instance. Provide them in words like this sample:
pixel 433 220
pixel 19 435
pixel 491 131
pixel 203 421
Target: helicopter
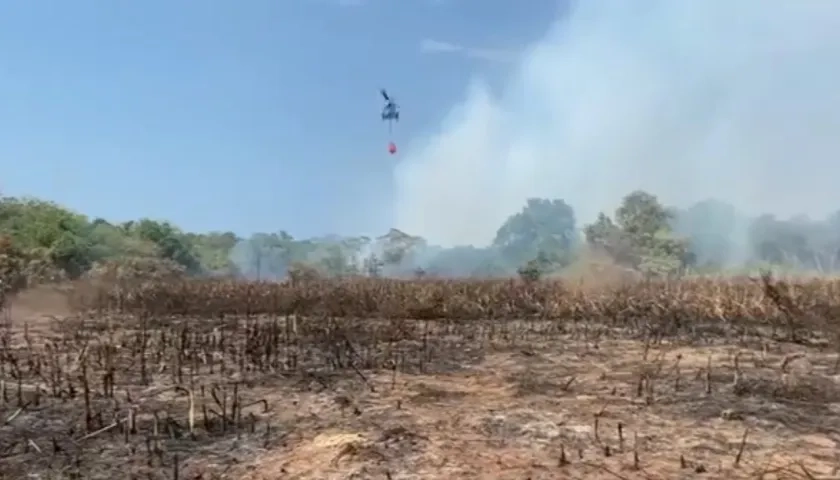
pixel 391 113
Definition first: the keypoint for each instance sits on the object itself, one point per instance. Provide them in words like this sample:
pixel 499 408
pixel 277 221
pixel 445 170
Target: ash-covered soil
pixel 104 396
pixel 568 409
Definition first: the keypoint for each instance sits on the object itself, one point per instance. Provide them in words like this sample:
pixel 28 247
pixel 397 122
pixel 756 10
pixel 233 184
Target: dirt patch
pixel 596 427
pixel 433 393
pixel 38 306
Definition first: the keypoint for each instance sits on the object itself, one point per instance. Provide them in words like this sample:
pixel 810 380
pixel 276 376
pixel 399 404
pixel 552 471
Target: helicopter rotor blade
pixel 385 95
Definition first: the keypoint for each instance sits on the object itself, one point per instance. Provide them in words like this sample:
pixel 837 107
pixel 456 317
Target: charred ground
pixel 423 379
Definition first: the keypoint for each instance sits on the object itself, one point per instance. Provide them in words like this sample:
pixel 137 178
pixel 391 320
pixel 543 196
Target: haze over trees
pixel 49 242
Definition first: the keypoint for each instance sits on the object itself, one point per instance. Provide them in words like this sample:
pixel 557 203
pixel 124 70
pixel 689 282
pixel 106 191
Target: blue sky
pixel 253 115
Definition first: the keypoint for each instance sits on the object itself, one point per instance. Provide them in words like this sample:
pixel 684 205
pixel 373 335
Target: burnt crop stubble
pixel 176 379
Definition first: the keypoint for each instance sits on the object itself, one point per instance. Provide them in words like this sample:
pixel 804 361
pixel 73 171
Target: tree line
pixel 643 235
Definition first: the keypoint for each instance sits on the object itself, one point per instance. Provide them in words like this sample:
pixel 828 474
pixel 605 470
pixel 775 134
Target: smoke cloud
pixel 688 100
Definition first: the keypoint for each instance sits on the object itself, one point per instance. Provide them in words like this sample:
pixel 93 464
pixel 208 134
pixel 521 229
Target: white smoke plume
pixel 738 100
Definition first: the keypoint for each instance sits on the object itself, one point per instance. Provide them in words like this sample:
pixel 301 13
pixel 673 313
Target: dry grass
pixel 375 379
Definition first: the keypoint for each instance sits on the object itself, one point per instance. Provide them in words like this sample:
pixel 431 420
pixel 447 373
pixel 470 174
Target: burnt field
pixel 387 379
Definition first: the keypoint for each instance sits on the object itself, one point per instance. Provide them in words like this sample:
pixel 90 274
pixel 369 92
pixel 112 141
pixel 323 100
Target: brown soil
pixel 38 307
pixel 555 412
pixel 538 405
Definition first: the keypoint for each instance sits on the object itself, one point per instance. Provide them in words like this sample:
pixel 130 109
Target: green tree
pixel 49 231
pixel 397 247
pixel 641 236
pixel 214 250
pixel 640 215
pixel 797 244
pixel 466 261
pixel 170 242
pixel 543 228
pixel 110 241
pixel 605 235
